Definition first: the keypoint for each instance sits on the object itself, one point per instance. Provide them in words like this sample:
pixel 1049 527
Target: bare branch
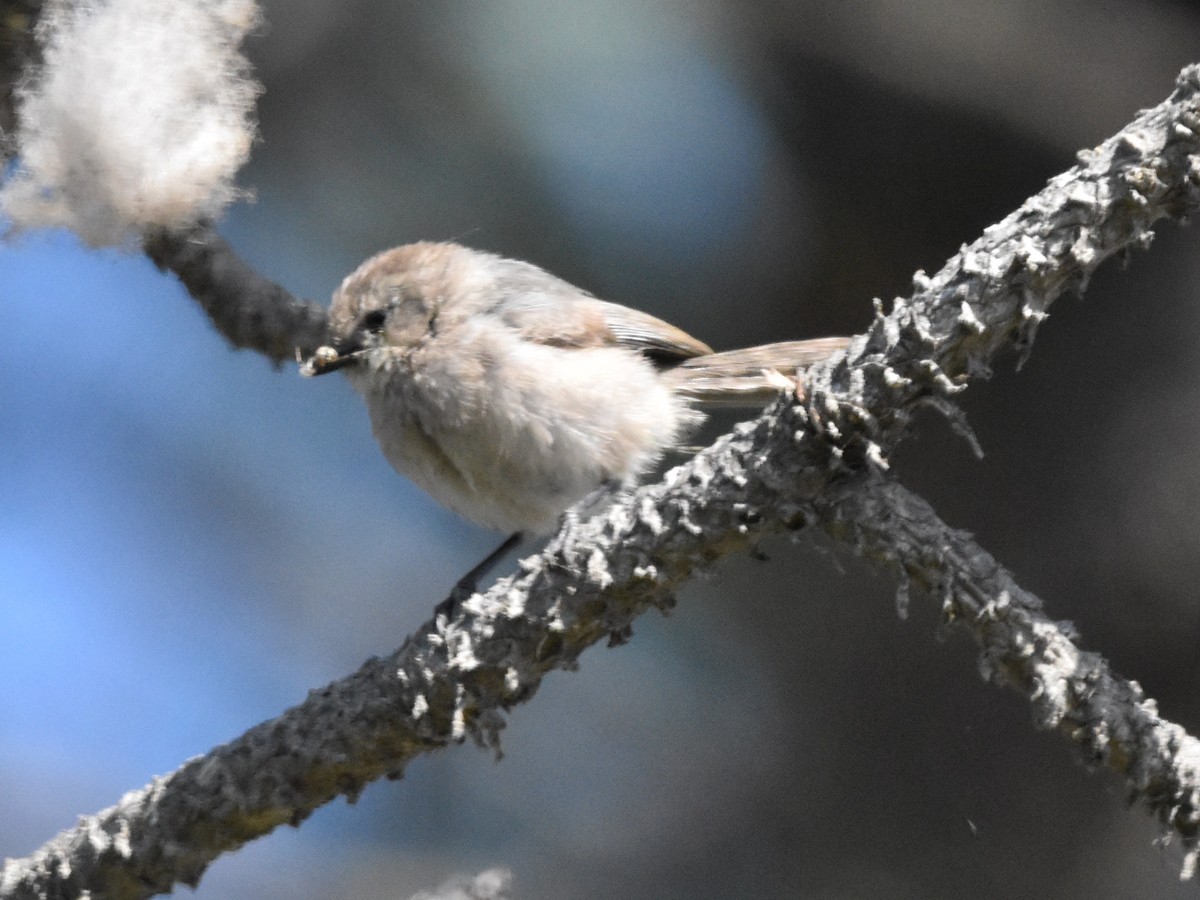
pixel 994 294
pixel 253 312
pixel 454 679
pixel 1109 719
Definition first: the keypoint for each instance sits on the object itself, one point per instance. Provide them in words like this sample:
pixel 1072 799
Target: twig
pixel 1109 719
pixel 253 312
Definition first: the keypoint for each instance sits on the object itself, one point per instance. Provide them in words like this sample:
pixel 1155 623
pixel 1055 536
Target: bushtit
pixel 510 395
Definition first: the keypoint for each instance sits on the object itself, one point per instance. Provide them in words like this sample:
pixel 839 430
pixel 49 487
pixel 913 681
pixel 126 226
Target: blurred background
pixel 190 540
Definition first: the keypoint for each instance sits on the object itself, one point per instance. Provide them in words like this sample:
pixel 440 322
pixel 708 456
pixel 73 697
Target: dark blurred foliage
pixel 193 539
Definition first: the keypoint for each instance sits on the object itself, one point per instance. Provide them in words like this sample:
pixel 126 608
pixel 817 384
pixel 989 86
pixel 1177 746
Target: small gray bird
pixel 509 395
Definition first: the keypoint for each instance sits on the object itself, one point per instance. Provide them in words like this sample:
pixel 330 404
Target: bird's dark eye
pixel 373 321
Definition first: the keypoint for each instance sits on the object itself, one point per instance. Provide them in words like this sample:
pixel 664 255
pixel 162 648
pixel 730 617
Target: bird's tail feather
pixel 749 377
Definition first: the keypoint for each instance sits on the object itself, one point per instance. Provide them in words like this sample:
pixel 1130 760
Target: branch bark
pixel 1108 719
pixel 821 460
pixel 251 311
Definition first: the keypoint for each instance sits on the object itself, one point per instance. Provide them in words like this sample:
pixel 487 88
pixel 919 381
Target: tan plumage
pixel 748 377
pixel 509 394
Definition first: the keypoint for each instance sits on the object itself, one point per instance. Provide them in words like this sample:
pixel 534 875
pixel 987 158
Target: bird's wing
pixel 661 341
pixel 571 318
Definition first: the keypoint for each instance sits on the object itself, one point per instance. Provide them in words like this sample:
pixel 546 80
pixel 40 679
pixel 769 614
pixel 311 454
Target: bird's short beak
pixel 330 357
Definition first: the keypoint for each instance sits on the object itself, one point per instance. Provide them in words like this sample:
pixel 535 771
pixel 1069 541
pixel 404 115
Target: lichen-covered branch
pixel 1109 719
pixel 993 294
pixel 798 463
pixel 451 680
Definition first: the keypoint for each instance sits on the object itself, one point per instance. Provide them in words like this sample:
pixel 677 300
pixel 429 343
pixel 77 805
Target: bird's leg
pixel 469 583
